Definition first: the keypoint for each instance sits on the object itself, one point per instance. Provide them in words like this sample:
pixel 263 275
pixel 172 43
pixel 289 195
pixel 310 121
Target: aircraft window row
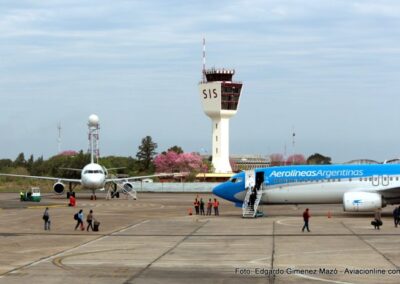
pixel 304 180
pixel 365 179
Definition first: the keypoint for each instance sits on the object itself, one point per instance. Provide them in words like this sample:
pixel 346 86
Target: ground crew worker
pixel 216 205
pixel 196 204
pixel 209 206
pixel 306 217
pixel 201 206
pixel 46 219
pixel 72 201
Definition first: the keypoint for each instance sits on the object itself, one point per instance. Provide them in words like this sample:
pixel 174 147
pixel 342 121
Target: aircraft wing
pixel 43 178
pixel 392 193
pixel 137 177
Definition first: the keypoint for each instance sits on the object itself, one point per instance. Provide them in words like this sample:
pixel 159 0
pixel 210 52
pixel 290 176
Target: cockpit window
pixel 93 172
pixel 236 180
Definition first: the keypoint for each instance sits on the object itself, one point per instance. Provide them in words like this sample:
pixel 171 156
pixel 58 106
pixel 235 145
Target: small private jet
pixel 93 176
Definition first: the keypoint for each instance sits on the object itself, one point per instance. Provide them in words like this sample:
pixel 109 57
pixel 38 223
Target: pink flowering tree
pixel 296 159
pixel 277 159
pixel 68 153
pixel 172 162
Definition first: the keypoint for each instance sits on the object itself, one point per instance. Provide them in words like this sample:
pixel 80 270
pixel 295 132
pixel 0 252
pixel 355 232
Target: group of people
pixel 79 217
pixel 377 222
pixel 199 206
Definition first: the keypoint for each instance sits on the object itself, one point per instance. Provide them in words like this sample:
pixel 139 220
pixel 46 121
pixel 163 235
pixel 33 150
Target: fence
pixel 174 186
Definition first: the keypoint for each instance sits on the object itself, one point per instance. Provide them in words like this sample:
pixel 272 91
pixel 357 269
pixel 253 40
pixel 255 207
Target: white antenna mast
pixel 59 137
pixel 204 59
pixel 94 128
pixel 293 144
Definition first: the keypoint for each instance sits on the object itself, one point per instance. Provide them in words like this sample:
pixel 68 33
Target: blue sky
pixel 329 68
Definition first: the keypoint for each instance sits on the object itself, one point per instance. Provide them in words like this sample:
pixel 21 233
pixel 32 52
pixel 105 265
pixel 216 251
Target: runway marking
pixel 370 245
pixel 271 278
pixel 58 261
pixel 44 206
pixel 15 270
pixel 165 253
pixel 321 279
pixel 280 222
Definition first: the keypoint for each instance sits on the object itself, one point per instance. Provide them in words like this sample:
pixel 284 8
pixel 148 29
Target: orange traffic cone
pixel 190 211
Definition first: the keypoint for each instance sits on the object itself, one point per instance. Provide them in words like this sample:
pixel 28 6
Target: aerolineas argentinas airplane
pixel 357 187
pixel 93 177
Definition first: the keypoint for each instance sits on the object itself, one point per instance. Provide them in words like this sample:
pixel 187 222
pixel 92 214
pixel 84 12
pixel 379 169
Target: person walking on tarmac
pixel 396 216
pixel 201 206
pixel 79 218
pixel 378 219
pixel 46 219
pixel 209 206
pixel 216 205
pixel 306 218
pixel 196 204
pixel 89 220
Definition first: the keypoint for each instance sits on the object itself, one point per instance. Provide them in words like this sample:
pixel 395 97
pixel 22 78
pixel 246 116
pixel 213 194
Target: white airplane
pixel 357 187
pixel 93 176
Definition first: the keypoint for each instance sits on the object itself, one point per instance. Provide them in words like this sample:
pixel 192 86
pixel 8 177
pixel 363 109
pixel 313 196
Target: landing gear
pixel 71 191
pixel 93 197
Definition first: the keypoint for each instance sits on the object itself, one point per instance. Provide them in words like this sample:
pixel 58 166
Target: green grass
pixel 23 185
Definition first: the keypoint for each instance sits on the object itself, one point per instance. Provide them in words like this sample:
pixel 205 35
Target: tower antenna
pixel 204 59
pixel 293 143
pixel 59 137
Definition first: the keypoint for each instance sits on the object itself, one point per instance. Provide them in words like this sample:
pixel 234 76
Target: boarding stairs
pixel 250 211
pixel 127 191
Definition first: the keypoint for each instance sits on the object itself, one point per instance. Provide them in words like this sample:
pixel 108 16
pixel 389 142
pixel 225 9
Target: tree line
pixel 145 162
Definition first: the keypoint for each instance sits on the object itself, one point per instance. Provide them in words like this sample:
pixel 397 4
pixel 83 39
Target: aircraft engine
pixel 59 188
pixel 362 201
pixel 127 186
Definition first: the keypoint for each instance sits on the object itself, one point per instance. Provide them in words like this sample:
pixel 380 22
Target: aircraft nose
pixel 219 190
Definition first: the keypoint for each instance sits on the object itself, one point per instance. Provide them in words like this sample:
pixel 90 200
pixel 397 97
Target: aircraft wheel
pixel 117 194
pixel 68 195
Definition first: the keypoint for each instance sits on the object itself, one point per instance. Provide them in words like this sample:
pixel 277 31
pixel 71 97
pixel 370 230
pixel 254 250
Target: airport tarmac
pixel 154 240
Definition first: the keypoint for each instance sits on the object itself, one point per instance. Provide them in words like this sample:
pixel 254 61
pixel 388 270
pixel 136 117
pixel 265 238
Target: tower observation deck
pixel 220 97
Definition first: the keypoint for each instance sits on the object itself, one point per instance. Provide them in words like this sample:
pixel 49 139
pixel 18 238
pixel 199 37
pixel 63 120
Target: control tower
pixel 220 99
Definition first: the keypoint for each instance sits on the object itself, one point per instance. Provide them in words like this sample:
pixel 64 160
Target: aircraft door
pixel 385 180
pixel 259 180
pixel 375 180
pixel 250 179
